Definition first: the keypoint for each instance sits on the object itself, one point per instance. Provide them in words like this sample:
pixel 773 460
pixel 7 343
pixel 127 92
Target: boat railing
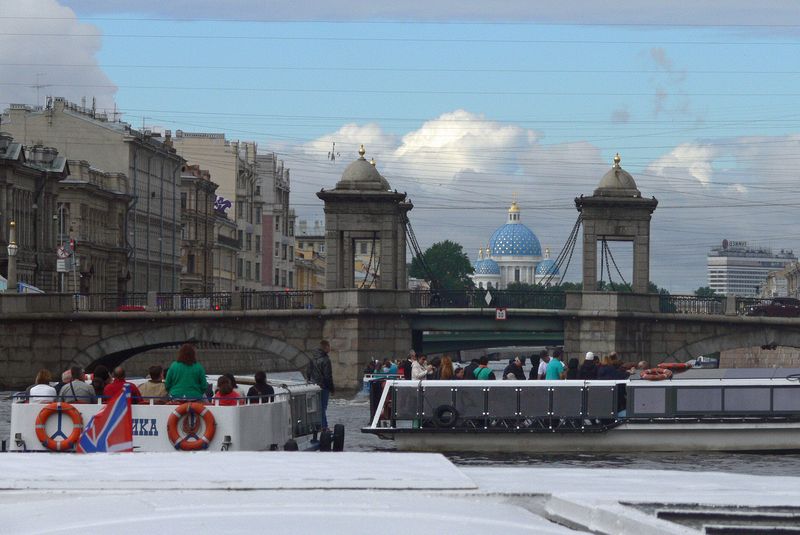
pixel 23 397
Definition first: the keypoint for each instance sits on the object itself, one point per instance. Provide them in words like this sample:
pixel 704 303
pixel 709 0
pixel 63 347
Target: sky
pixel 462 104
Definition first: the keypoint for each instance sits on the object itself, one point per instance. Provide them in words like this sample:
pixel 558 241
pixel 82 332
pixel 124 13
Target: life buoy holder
pixel 675 367
pixel 60 409
pixel 445 416
pixel 656 374
pixel 190 440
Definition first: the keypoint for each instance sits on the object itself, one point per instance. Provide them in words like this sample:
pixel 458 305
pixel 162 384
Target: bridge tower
pixel 617 212
pixel 364 227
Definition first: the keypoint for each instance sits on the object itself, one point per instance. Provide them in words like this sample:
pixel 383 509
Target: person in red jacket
pixel 113 388
pixel 226 395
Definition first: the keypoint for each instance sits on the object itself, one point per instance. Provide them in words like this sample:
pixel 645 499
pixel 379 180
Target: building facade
pixel 277 224
pixel 152 226
pixel 198 218
pixel 734 268
pixel 28 196
pixel 92 209
pixel 232 165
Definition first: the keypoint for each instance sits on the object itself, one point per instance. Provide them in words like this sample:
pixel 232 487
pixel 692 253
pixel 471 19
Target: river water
pixel 353 412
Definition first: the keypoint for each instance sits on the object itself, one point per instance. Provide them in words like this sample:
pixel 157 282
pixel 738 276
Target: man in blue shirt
pixel 555 368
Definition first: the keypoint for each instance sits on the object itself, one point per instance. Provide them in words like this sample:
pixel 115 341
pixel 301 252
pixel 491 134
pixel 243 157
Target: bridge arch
pixel 753 337
pixel 114 350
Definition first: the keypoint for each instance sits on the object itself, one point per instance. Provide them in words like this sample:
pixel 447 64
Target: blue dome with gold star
pixel 547 267
pixel 514 238
pixel 486 266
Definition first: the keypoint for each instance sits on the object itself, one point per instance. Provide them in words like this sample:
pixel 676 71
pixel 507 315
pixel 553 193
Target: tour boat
pixel 159 425
pixel 697 410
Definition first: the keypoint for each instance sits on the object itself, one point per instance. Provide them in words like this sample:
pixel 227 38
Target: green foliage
pixel 449 265
pixel 705 291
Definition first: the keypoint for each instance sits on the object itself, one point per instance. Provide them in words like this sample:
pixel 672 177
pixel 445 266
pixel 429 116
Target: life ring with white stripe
pixel 675 367
pixel 60 408
pixel 190 440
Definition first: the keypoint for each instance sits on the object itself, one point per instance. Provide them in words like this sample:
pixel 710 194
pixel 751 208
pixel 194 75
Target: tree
pixel 705 291
pixel 449 266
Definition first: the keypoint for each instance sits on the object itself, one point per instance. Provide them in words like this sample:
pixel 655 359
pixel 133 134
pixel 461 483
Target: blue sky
pixel 464 103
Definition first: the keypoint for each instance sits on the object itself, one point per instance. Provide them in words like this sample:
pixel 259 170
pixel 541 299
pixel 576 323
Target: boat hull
pixel 627 437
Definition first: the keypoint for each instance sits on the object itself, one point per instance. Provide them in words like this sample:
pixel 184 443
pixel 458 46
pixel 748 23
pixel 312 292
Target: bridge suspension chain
pixel 565 255
pixel 417 253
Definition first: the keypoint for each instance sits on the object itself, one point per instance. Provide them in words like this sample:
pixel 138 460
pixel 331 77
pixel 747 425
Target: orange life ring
pixel 59 408
pixel 656 374
pixel 674 366
pixel 190 441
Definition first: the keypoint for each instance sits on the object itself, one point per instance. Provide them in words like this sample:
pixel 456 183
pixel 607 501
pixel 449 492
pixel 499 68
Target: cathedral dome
pixel 514 238
pixel 486 266
pixel 547 267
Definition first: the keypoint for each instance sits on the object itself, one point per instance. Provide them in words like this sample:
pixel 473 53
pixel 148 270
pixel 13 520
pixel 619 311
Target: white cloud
pixel 687 160
pixel 32 52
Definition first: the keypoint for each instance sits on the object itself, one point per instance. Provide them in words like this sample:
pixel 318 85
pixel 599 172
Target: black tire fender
pixel 338 437
pixel 445 416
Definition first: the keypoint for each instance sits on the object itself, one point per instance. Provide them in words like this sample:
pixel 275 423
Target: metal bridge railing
pixel 487 299
pixel 691 304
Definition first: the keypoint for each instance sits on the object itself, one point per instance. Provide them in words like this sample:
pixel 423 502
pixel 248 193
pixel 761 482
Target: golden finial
pixel 617 159
pixel 372 162
pixel 362 151
pixel 514 207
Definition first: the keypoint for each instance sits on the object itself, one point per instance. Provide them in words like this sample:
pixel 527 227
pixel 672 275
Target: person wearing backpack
pixel 483 371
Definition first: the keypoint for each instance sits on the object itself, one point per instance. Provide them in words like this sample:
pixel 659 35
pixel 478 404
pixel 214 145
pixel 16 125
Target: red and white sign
pixel 500 314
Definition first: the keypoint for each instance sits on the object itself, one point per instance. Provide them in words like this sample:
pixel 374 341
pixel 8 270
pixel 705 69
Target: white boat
pixel 294 412
pixel 699 410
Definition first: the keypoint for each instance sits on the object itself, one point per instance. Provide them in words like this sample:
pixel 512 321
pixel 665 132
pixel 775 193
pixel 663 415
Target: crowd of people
pixel 184 380
pixel 544 366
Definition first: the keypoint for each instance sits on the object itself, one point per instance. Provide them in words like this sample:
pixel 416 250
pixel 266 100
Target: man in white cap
pixel 588 369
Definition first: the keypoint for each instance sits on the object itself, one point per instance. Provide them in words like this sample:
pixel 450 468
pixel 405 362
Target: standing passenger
pixel 555 368
pixel 483 372
pixel 544 360
pixel 186 378
pixel 320 372
pixel 572 368
pixel 588 369
pixel 446 368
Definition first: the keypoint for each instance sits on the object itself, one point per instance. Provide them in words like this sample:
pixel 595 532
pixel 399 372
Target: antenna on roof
pixel 37 86
pixel 332 154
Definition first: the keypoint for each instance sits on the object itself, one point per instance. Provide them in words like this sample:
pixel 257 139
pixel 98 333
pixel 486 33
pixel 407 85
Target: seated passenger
pixel 186 378
pixel 76 391
pixel 154 387
pixel 100 378
pixel 226 395
pixel 114 387
pixel 261 392
pixel 41 391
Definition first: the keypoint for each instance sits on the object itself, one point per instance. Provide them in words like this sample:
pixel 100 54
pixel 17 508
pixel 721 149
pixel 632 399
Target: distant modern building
pixel 735 268
pixel 150 164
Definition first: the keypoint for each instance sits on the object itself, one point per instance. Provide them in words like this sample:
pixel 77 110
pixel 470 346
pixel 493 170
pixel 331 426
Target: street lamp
pixel 12 258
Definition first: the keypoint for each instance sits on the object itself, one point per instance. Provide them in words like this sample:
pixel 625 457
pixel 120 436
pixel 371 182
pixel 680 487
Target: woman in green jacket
pixel 186 378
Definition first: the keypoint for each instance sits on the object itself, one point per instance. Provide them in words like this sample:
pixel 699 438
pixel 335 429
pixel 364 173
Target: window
pixel 283 251
pixel 291 279
pixel 283 278
pixel 239 209
pixel 240 268
pixel 249 241
pixel 258 190
pixel 363 247
pixel 278 222
pixel 291 252
pixel 277 277
pixel 258 271
pixel 516 274
pixel 277 249
pixel 183 201
pixel 258 215
pixel 247 272
pixel 258 244
pixel 241 237
pixel 190 263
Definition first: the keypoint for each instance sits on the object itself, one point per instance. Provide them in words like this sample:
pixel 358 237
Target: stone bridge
pixel 627 323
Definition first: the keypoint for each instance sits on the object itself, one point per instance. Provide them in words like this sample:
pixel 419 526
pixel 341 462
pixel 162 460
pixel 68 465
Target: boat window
pixel 434 397
pixel 534 402
pixel 567 402
pixel 747 399
pixel 601 401
pixel 649 401
pixel 785 399
pixel 405 403
pixel 702 399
